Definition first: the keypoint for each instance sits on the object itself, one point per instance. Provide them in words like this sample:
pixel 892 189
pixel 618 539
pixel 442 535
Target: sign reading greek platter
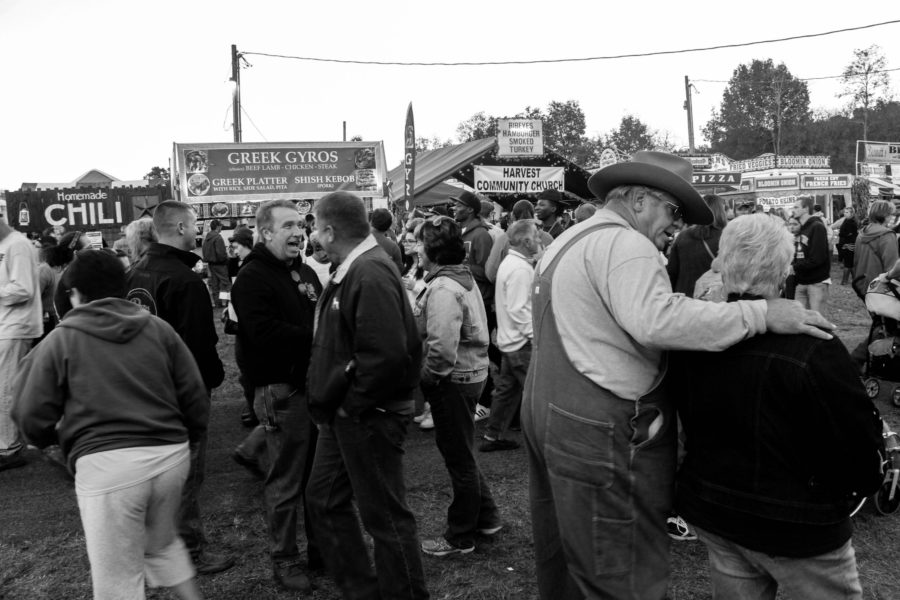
pixel 518 180
pixel 721 178
pixel 520 137
pixel 264 171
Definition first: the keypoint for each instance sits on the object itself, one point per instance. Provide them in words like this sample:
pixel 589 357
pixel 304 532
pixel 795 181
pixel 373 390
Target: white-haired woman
pixel 780 437
pixel 139 234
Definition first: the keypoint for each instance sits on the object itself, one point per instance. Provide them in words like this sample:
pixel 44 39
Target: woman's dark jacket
pixel 689 258
pixel 780 439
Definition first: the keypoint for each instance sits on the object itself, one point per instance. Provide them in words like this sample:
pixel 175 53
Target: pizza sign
pixel 723 178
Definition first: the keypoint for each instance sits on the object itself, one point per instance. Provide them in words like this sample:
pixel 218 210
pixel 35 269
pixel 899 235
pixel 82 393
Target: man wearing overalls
pixel 599 424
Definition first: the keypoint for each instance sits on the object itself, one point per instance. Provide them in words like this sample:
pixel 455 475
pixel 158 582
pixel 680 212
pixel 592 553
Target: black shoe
pixel 207 563
pixel 12 461
pixel 291 577
pixel 248 418
pixel 490 445
pixel 251 464
pixel 54 457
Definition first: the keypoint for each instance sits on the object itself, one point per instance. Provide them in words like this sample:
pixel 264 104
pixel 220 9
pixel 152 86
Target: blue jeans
pixel 813 296
pixel 508 390
pixel 363 459
pixel 472 508
pixel 737 572
pixel 290 439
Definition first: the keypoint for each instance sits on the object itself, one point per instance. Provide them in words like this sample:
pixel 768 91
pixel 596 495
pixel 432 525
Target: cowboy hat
pixel 659 170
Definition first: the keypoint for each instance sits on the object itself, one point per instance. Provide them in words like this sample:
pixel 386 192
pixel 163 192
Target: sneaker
pixel 481 412
pixel 426 412
pixel 53 455
pixel 251 464
pixel 427 423
pixel 679 530
pixel 207 563
pixel 441 547
pixel 489 445
pixel 490 530
pixel 13 461
pixel 290 576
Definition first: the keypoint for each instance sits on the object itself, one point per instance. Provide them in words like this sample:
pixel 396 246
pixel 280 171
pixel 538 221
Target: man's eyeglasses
pixel 676 209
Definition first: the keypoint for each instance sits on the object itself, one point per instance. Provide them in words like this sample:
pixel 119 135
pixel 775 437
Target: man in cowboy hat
pixel 600 433
pixel 549 209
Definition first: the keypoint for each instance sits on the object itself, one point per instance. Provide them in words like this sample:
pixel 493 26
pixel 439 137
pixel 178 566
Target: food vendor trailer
pixel 231 180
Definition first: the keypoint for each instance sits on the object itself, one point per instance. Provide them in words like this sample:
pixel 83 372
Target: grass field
pixel 42 551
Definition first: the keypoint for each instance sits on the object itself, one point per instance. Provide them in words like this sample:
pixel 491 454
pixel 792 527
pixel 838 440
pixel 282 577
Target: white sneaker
pixel 679 530
pixel 481 412
pixel 426 412
pixel 427 422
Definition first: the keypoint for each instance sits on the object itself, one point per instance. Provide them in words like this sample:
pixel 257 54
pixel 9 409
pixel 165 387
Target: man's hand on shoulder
pixel 788 316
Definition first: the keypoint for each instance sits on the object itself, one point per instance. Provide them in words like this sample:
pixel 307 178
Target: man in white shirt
pixel 514 331
pixel 20 324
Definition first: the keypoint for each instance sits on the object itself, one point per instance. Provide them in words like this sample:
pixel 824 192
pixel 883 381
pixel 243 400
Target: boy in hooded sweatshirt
pixel 119 391
pixel 876 247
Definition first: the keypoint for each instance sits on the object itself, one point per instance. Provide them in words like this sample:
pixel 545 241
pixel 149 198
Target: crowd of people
pixel 617 352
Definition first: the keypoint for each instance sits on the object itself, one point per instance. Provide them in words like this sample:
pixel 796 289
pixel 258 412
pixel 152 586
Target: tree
pixel 762 109
pixel 424 144
pixel 161 174
pixel 477 127
pixel 866 82
pixel 631 136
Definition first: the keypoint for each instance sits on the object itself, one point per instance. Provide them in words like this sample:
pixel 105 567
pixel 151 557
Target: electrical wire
pixel 244 110
pixel 801 78
pixel 225 126
pixel 568 60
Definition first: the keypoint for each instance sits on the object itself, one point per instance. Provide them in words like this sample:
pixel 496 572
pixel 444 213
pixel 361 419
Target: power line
pixel 244 110
pixel 568 60
pixel 800 78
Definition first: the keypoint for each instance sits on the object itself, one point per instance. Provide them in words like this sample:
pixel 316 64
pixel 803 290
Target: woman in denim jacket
pixel 451 316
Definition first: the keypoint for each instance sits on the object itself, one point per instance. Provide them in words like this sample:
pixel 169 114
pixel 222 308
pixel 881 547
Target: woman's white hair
pixel 755 254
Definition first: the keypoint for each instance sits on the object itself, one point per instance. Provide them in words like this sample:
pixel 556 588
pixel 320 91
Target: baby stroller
pixel 887 498
pixel 883 356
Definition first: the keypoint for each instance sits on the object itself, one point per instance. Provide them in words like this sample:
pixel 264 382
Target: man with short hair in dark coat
pixel 164 283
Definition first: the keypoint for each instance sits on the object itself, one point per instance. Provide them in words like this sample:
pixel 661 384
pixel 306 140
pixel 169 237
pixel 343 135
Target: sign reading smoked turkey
pixel 266 171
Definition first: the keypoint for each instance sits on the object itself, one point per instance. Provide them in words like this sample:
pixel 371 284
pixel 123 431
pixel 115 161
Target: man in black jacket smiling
pixel 164 283
pixel 274 297
pixel 365 365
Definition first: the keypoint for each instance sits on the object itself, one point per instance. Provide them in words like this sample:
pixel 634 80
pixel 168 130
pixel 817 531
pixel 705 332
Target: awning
pixel 882 187
pixel 436 166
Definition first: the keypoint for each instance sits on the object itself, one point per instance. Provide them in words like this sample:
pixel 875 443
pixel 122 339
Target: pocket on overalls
pixel 594 509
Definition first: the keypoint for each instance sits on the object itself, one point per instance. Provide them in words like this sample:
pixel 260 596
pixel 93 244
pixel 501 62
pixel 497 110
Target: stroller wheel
pixel 872 387
pixel 884 504
pixel 895 396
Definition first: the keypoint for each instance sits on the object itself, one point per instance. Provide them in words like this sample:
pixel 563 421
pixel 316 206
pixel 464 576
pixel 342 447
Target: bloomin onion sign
pixel 264 171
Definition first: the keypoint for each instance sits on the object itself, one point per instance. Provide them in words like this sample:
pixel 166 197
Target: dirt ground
pixel 42 552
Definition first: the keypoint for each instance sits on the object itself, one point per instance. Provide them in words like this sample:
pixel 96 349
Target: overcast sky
pixel 111 84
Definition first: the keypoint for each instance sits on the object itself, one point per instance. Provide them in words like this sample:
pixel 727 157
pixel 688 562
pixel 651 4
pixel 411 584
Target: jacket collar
pixel 165 250
pixel 364 246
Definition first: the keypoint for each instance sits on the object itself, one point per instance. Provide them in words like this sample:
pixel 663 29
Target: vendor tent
pixel 435 166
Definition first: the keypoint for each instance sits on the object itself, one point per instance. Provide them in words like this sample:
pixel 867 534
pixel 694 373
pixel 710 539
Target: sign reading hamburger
pixel 265 171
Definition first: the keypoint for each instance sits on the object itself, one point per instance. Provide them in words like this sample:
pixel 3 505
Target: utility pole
pixel 236 100
pixel 689 107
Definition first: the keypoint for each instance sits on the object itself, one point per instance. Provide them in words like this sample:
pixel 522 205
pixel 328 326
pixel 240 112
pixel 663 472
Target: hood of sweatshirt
pixel 873 231
pixel 111 319
pixel 458 273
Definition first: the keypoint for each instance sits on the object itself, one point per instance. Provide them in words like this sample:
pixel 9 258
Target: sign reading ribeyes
pixel 717 178
pixel 520 137
pixel 518 180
